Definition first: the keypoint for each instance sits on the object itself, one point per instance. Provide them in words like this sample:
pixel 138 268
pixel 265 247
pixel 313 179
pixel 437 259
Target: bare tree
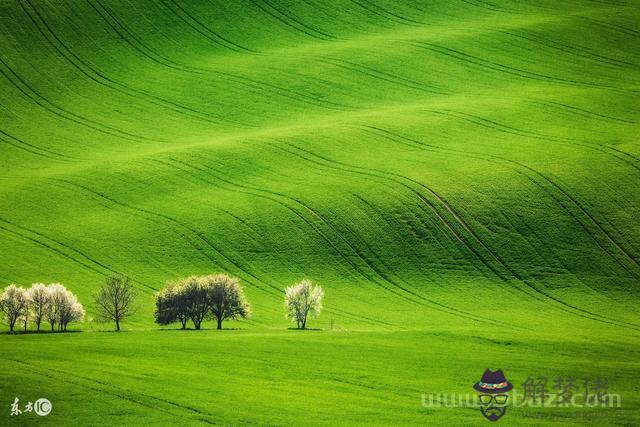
pixel 14 303
pixel 115 300
pixel 302 299
pixel 225 297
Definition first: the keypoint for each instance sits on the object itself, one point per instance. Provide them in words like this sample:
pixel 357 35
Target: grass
pixel 456 175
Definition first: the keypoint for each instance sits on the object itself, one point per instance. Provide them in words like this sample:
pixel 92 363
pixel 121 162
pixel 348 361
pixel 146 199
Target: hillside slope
pixel 437 160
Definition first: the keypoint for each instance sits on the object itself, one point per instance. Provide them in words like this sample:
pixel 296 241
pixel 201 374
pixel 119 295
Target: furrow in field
pixel 630 160
pixel 429 205
pixel 591 217
pixel 282 17
pixel 378 10
pixel 532 287
pixel 326 163
pixel 585 113
pixel 291 18
pixel 388 134
pixel 396 226
pixel 268 195
pixel 572 50
pixel 186 229
pixel 102 79
pixel 378 274
pixel 106 388
pixel 33 149
pixel 494 158
pixel 381 75
pixel 614 27
pixel 467 59
pixel 490 6
pixel 490 124
pixel 188 18
pixel 30 93
pixel 62 249
pixel 156 57
pixel 282 200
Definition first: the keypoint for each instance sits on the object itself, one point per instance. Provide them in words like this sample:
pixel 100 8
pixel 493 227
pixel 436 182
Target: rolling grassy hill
pixel 461 176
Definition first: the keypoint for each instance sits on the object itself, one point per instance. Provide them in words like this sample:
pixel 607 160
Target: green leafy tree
pixel 225 298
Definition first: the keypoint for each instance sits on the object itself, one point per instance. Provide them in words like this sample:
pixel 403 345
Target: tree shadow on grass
pixel 198 330
pixel 306 329
pixel 42 332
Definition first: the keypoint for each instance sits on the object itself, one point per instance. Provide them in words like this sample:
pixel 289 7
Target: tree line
pixel 194 299
pixel 40 303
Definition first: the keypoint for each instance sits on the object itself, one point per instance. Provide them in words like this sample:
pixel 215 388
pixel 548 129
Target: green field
pixel 462 178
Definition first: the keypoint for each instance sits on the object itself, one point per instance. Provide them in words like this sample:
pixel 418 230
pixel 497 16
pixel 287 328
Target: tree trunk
pixel 184 323
pixel 38 326
pixel 117 324
pixel 219 319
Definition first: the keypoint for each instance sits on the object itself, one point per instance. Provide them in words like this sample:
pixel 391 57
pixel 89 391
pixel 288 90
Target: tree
pixel 225 298
pixel 51 313
pixel 39 303
pixel 183 300
pixel 302 299
pixel 115 300
pixel 195 296
pixel 73 311
pixel 14 303
pixel 64 307
pixel 171 305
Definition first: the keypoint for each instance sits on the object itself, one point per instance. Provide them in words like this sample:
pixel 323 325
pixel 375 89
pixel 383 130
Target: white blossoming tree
pixel 14 303
pixel 301 300
pixel 64 307
pixel 39 303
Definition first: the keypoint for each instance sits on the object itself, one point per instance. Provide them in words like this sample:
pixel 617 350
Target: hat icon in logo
pixel 493 389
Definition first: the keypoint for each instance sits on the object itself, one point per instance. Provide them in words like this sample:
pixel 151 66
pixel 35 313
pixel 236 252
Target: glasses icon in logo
pixel 500 399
